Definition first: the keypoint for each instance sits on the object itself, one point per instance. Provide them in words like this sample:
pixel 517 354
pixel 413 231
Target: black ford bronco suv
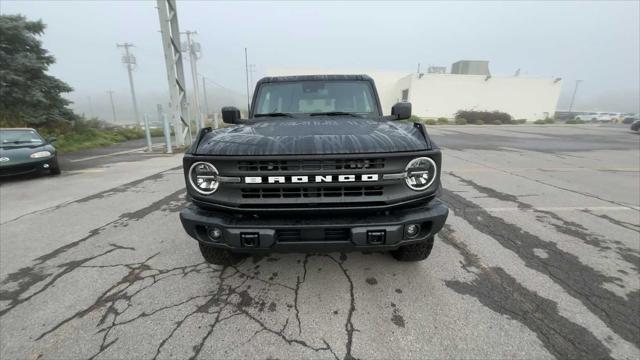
pixel 315 168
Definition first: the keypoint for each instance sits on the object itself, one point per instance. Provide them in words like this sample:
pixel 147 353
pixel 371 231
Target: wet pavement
pixel 540 258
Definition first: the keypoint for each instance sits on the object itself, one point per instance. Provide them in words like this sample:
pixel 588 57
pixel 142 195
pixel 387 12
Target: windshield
pixel 309 97
pixel 9 138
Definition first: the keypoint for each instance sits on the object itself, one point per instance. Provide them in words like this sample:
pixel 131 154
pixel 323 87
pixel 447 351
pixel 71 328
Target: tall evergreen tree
pixel 27 93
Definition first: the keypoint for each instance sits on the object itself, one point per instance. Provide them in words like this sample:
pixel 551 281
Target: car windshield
pixel 316 97
pixel 9 138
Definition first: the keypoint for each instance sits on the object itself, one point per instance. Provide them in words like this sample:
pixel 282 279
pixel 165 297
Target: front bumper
pixel 313 233
pixel 28 167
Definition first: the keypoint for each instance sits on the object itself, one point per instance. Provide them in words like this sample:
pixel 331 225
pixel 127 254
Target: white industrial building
pixel 434 95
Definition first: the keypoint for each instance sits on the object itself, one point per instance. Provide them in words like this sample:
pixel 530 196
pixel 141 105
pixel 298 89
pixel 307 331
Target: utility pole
pixel 113 107
pixel 130 60
pixel 147 132
pixel 170 30
pixel 418 69
pixel 90 106
pixel 246 69
pixel 573 97
pixel 204 97
pixel 193 48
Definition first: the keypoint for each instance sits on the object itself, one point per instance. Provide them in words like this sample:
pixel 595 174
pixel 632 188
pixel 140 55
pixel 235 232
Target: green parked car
pixel 24 151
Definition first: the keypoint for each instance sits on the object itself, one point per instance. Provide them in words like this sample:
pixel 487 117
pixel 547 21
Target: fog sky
pixel 598 42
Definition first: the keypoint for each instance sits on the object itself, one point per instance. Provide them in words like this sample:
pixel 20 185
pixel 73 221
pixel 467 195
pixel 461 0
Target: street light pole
pixel 193 49
pixel 573 97
pixel 130 60
pixel 246 69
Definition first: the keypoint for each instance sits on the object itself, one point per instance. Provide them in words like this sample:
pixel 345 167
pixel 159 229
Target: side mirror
pixel 401 110
pixel 230 115
pixel 51 139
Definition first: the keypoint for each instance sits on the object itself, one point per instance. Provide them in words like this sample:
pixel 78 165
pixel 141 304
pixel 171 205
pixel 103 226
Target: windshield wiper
pixel 334 113
pixel 273 114
pixel 18 142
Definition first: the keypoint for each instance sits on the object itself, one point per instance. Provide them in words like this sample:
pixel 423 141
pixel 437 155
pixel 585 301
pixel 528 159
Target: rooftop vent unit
pixel 471 67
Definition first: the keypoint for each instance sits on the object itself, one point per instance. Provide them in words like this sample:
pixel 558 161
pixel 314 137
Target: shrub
pixel 549 120
pixel 574 121
pixel 156 132
pixel 479 122
pixel 498 122
pixel 443 121
pixel 414 118
pixel 539 121
pixel 486 116
pixel 430 122
pixel 89 133
pixel 461 121
pixel 519 121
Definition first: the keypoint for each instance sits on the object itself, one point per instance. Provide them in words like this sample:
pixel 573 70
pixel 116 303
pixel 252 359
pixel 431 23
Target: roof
pixel 270 79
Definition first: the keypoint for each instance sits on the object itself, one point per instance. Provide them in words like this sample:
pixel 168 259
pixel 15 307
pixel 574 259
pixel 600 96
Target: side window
pixel 405 95
pixel 266 102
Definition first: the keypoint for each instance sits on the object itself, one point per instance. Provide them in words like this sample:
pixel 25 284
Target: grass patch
pixel 92 138
pixel 544 121
pixel 84 134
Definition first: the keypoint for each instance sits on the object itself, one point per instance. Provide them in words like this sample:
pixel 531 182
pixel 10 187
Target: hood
pixel 21 154
pixel 313 136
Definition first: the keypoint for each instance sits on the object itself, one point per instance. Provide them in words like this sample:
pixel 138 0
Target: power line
pixel 208 79
pixel 130 61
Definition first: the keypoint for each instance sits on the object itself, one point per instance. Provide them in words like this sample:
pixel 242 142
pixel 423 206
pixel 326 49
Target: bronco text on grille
pixel 315 167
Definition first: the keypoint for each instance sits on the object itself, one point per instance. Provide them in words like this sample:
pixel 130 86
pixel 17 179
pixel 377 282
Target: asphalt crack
pixel 627 225
pixel 500 292
pixel 579 280
pixel 26 278
pixel 100 195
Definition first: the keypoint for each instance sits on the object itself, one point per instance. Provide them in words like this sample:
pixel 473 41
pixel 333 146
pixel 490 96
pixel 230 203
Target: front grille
pixel 298 235
pixel 311 192
pixel 311 165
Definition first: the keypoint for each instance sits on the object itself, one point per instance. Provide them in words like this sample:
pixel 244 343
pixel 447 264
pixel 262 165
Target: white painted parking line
pixel 84 171
pixel 115 153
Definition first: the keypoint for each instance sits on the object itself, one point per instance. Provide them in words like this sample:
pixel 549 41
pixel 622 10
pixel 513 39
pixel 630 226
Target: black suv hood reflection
pixel 313 136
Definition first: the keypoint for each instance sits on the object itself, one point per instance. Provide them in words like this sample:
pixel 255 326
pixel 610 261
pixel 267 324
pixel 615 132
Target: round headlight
pixel 40 154
pixel 420 173
pixel 204 178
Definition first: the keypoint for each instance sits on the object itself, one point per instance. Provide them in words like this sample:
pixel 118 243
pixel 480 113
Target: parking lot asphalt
pixel 540 258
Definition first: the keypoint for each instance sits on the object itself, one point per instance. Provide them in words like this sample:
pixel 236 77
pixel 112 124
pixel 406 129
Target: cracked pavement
pixel 540 258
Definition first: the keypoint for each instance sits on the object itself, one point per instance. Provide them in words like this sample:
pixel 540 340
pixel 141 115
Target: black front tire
pixel 55 168
pixel 414 252
pixel 218 256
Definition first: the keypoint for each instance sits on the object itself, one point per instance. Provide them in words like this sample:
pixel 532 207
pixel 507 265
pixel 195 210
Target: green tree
pixel 28 95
